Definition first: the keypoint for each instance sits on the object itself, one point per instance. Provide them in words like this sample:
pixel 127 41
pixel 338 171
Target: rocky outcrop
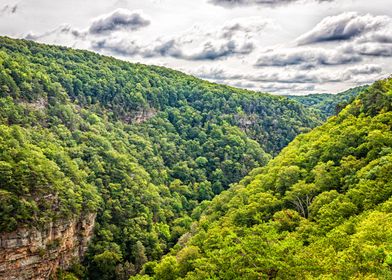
pixel 144 115
pixel 139 116
pixel 30 253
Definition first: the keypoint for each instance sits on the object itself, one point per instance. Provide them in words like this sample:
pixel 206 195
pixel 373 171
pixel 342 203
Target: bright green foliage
pixel 39 182
pixel 142 146
pixel 104 265
pixel 322 209
pixel 326 105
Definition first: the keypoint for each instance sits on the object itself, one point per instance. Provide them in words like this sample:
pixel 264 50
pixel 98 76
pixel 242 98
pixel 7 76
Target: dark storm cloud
pixel 344 26
pixel 306 58
pixel 120 19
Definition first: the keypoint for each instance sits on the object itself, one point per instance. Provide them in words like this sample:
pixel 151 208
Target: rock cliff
pixel 30 253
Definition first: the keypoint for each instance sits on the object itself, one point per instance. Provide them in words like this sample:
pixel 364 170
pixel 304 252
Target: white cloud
pixel 297 45
pixel 231 39
pixel 64 29
pixel 120 19
pixel 298 80
pixel 9 9
pixel 306 57
pixel 270 3
pixel 344 26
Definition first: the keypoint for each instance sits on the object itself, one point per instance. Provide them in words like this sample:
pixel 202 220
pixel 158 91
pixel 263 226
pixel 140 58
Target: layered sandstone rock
pixel 30 253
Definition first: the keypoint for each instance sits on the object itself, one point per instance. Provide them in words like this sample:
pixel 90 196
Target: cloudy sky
pixel 278 46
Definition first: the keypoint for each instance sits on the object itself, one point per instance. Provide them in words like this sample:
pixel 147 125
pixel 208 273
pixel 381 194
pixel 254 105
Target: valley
pixel 114 170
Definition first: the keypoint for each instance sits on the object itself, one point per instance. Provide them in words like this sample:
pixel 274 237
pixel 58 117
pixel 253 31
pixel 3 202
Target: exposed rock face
pixel 29 253
pixel 140 116
pixel 144 115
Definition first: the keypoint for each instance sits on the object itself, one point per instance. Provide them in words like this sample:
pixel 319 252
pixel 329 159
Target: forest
pixel 190 179
pixel 321 209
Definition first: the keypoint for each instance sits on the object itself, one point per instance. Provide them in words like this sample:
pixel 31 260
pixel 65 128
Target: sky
pixel 277 46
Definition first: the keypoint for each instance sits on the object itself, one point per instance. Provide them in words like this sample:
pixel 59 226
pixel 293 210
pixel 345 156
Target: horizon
pixel 295 47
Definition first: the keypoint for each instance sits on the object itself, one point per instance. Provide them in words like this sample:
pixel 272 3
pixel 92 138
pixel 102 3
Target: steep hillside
pixel 140 146
pixel 326 105
pixel 321 209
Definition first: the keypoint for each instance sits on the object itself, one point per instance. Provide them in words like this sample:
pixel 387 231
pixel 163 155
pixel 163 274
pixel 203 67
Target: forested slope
pixel 326 105
pixel 140 145
pixel 321 209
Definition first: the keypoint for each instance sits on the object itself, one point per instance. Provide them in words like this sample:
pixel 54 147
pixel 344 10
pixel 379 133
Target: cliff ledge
pixel 30 253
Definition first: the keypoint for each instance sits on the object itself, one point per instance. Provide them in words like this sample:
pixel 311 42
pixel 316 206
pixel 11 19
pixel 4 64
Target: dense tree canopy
pixel 321 209
pixel 326 105
pixel 145 147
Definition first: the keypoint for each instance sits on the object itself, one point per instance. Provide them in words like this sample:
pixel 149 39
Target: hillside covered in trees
pixel 321 209
pixel 144 147
pixel 326 105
